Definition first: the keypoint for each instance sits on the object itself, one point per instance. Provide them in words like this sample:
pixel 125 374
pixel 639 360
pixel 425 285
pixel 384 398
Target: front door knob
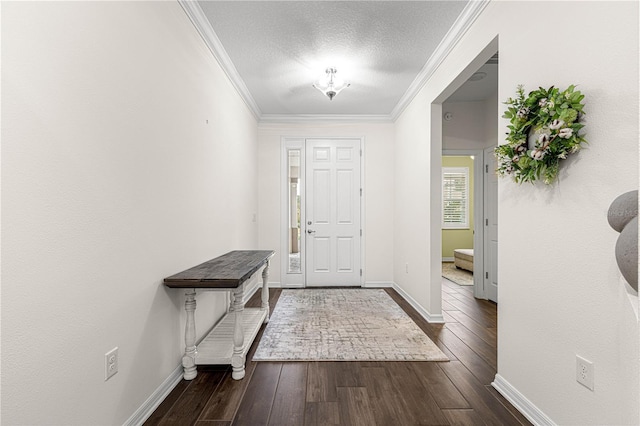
pixel 309 231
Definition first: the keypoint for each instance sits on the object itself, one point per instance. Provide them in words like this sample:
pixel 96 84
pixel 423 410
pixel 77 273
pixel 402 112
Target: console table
pixel 229 341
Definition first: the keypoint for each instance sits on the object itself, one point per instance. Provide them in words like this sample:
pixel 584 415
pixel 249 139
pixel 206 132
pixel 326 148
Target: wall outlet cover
pixel 110 363
pixel 584 372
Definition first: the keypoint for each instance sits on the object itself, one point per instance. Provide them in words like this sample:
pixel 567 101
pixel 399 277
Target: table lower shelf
pixel 217 346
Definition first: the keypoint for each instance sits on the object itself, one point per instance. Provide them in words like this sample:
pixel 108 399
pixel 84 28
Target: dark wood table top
pixel 227 271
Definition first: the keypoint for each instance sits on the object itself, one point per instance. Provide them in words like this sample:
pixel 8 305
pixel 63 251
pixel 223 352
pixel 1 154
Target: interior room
pixel 139 139
pixel 457 223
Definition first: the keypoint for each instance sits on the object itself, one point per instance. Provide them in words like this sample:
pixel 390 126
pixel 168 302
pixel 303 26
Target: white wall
pixel 111 181
pixel 467 127
pixel 378 189
pixel 417 262
pixel 559 285
pixel 473 126
pixel 492 135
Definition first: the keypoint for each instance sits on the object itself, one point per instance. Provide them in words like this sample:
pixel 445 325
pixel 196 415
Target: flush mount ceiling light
pixel 478 76
pixel 330 85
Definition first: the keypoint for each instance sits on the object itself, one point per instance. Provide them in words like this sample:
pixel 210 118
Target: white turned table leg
pixel 237 359
pixel 265 291
pixel 231 301
pixel 190 351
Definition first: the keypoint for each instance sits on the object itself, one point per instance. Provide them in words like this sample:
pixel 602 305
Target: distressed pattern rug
pixel 343 325
pixel 458 276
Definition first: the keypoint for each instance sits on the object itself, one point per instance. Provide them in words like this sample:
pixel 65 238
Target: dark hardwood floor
pixel 360 393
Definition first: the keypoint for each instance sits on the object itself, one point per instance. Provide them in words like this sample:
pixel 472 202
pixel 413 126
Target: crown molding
pixel 468 16
pixel 325 118
pixel 200 21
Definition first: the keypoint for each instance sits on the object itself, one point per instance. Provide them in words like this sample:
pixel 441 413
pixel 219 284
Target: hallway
pixel 360 393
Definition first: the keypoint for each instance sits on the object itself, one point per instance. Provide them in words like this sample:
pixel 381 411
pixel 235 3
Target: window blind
pixel 455 197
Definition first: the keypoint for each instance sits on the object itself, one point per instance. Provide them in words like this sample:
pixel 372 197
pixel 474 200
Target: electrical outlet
pixel 110 363
pixel 584 372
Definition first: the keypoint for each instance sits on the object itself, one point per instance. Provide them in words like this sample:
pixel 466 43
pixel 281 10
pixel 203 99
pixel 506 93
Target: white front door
pixel 332 229
pixel 490 225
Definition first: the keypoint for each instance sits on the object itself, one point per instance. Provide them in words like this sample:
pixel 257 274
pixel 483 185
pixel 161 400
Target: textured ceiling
pixel 279 48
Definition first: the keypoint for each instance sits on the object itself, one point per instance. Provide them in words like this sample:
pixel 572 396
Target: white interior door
pixel 490 225
pixel 332 228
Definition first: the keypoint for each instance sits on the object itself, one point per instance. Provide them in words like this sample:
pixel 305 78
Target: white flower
pixel 515 159
pixel 537 154
pixel 542 140
pixel 575 148
pixel 523 112
pixel 521 148
pixel 542 102
pixel 551 104
pixel 556 124
pixel 563 156
pixel 565 133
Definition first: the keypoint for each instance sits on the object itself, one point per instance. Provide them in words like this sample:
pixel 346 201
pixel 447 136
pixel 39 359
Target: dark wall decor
pixel 623 217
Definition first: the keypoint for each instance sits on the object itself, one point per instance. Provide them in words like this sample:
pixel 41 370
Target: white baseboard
pixel 448 259
pixel 285 286
pixel 378 284
pixel 521 403
pixel 434 319
pixel 149 406
pixel 368 284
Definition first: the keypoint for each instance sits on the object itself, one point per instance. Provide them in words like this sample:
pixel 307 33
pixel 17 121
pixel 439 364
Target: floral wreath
pixel 544 130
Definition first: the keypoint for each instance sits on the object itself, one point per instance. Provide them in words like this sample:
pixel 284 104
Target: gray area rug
pixel 343 325
pixel 458 276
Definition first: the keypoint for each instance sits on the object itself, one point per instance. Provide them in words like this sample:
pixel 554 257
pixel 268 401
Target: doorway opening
pixel 461 215
pixel 465 122
pixel 321 212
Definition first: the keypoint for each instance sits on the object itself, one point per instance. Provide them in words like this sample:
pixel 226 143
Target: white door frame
pixel 490 200
pixel 435 163
pixel 298 280
pixel 478 216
